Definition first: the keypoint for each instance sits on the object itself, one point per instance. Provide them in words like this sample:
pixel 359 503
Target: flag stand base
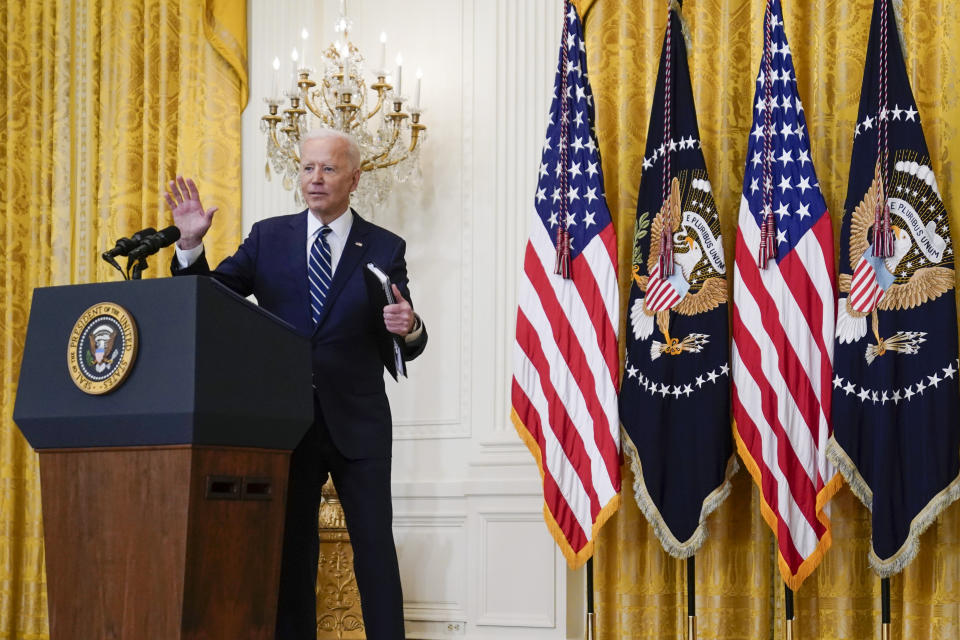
pixel 591 631
pixel 691 627
pixel 885 631
pixel 788 628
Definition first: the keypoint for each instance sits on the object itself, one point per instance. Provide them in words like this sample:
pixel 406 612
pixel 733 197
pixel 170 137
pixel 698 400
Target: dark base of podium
pixel 179 542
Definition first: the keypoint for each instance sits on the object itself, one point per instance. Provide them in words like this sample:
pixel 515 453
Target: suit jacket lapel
pixel 295 248
pixel 353 250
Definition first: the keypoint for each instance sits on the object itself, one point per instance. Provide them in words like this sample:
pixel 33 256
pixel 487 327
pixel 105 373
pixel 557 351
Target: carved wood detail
pixel 338 601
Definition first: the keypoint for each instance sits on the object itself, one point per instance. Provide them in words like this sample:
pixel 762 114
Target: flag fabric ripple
pixel 675 391
pixel 783 318
pixel 896 399
pixel 566 363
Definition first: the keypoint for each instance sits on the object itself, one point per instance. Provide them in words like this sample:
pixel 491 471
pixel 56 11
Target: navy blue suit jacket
pixel 347 344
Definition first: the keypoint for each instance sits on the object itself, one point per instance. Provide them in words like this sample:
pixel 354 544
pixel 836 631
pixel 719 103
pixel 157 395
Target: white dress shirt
pixel 337 238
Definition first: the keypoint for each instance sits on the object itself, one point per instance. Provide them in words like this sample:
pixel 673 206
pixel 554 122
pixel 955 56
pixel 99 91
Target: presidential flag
pixel 783 317
pixel 896 404
pixel 674 396
pixel 566 363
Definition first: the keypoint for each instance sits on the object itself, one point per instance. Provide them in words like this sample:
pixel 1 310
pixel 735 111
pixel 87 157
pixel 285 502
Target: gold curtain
pixel 104 102
pixel 640 590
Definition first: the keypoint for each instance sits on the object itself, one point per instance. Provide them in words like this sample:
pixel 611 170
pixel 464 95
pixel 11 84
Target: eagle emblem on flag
pixel 896 413
pixel 918 270
pixel 675 391
pixel 698 282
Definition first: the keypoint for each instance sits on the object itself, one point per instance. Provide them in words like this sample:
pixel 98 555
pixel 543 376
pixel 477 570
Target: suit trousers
pixel 363 487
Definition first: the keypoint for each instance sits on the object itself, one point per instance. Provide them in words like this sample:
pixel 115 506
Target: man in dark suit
pixel 307 268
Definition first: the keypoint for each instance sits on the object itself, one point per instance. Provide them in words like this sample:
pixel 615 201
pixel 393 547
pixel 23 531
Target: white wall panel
pixel 517 587
pixel 431 548
pixel 476 558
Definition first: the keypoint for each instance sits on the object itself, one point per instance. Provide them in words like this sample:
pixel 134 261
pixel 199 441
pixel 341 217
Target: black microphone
pixel 126 245
pixel 155 242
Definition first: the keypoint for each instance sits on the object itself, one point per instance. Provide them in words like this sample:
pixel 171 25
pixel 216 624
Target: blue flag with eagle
pixel 674 397
pixel 896 401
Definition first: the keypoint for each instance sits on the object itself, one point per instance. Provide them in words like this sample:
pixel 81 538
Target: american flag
pixel 564 391
pixel 783 317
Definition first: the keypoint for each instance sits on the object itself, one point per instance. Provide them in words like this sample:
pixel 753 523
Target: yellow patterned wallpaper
pixel 104 100
pixel 641 592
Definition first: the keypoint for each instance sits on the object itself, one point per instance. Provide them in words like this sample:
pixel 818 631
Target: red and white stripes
pixel 564 394
pixel 783 324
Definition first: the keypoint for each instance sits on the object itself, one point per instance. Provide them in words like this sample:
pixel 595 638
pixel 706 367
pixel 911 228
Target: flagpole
pixel 788 606
pixel 885 608
pixel 691 599
pixel 591 631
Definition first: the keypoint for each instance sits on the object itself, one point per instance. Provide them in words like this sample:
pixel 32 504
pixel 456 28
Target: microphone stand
pixel 113 263
pixel 138 268
pixel 124 246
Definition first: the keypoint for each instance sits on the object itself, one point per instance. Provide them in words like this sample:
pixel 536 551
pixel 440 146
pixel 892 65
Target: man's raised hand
pixel 188 214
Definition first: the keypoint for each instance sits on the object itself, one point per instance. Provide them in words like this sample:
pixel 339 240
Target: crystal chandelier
pixel 338 97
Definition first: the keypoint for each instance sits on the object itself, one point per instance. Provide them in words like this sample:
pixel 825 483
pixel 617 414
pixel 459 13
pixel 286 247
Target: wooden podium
pixel 163 500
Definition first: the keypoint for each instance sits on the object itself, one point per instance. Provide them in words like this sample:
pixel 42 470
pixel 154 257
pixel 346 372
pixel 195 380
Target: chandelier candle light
pixel 338 97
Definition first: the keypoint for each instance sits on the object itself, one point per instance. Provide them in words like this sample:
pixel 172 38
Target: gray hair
pixel 353 149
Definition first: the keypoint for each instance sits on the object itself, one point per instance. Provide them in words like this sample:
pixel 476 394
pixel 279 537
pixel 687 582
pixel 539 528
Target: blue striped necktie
pixel 319 272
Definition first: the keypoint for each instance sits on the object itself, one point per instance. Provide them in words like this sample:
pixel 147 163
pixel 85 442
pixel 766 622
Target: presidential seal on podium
pixel 102 349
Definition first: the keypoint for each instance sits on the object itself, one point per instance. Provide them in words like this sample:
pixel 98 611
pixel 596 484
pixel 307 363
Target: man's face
pixel 327 177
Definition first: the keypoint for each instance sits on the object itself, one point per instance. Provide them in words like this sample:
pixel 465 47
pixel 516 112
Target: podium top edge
pixel 190 282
